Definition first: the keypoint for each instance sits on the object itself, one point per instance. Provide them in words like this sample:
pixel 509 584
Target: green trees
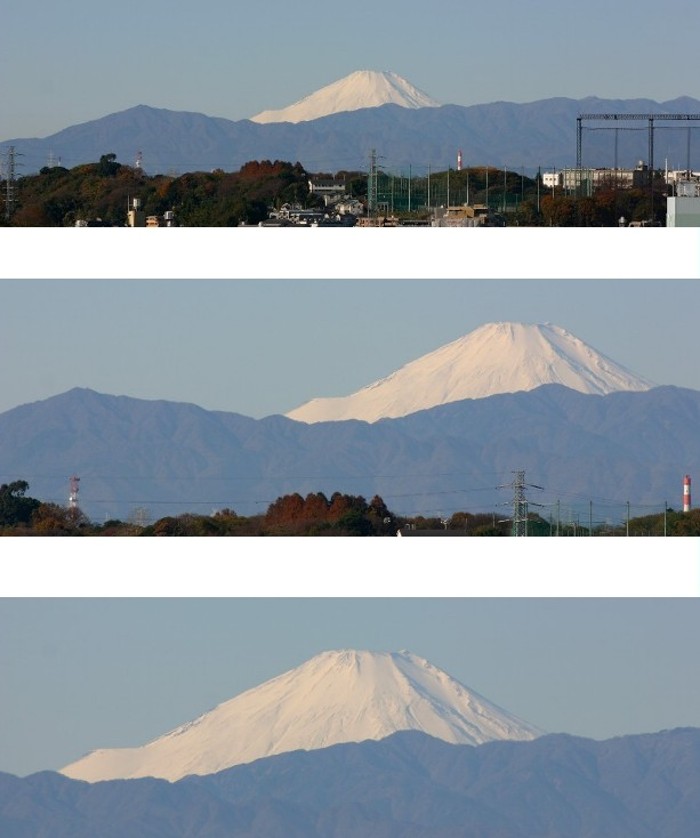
pixel 108 166
pixel 15 508
pixel 58 196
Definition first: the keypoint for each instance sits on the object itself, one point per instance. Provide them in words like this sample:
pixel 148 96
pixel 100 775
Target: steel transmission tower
pixel 372 184
pixel 10 182
pixel 519 502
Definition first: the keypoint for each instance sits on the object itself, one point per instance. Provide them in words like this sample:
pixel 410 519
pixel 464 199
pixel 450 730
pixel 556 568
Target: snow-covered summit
pixel 495 358
pixel 337 696
pixel 361 89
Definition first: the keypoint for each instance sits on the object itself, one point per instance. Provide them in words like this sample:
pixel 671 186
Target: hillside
pixel 531 135
pixel 170 457
pixel 644 786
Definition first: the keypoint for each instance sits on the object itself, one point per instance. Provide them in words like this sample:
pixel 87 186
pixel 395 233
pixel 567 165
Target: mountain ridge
pixel 130 452
pixel 633 786
pixel 536 134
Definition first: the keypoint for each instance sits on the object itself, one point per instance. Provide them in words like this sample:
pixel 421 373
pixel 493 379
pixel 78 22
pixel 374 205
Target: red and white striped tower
pixel 459 160
pixel 686 493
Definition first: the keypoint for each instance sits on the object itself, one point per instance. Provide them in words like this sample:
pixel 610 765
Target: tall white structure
pixel 73 494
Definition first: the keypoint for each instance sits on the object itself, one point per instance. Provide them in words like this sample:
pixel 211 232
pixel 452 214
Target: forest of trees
pixel 314 515
pixel 58 197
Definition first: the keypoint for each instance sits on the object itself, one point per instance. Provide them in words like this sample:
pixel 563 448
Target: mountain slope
pixel 536 134
pixel 361 89
pixel 495 358
pixel 409 784
pixel 171 458
pixel 335 697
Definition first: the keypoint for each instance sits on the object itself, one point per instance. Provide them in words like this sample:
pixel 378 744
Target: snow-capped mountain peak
pixel 337 696
pixel 361 89
pixel 495 358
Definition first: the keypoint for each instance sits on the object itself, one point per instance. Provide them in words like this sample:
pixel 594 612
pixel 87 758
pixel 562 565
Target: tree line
pixel 101 193
pixel 313 515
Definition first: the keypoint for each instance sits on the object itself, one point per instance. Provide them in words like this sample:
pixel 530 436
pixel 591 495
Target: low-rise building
pixel 551 180
pixel 683 208
pixel 586 181
pixel 465 215
pixel 330 188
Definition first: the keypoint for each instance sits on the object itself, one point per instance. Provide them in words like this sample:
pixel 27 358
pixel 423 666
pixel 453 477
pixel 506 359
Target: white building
pixel 683 209
pixel 551 179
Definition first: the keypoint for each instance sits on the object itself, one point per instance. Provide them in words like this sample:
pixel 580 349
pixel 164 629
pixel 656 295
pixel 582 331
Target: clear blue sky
pixel 67 63
pixel 259 347
pixel 78 674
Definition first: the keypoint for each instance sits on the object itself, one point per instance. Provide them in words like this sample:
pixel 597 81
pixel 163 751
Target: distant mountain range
pixel 409 784
pixel 495 358
pixel 527 136
pixel 171 457
pixel 337 696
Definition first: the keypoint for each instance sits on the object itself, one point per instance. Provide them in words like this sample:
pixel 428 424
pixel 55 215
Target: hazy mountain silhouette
pixel 530 135
pixel 643 786
pixel 172 457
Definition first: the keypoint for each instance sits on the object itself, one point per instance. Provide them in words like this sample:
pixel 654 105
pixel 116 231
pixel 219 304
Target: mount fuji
pixel 336 697
pixel 495 358
pixel 361 89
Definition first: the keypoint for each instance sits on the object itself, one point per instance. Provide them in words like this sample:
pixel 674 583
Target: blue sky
pixel 73 62
pixel 78 674
pixel 259 347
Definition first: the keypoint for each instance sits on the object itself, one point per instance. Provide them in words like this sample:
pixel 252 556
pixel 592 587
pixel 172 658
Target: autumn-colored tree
pixel 52 519
pixel 315 507
pixel 285 509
